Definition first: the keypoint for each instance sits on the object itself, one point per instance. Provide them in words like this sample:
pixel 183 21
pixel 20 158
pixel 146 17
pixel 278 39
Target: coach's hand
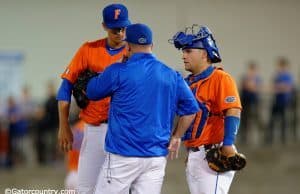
pixel 65 138
pixel 174 147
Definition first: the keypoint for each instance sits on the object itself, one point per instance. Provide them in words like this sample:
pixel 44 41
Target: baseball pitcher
pixel 94 56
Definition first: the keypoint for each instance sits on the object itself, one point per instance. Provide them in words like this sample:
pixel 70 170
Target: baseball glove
pixel 79 88
pixel 220 163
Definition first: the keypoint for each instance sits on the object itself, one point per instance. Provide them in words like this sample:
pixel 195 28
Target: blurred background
pixel 258 42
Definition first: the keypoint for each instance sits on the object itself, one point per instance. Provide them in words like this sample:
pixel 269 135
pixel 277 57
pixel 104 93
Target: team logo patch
pixel 230 99
pixel 142 40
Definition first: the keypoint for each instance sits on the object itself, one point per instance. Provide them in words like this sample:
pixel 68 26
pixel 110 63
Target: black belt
pixel 206 147
pixel 104 121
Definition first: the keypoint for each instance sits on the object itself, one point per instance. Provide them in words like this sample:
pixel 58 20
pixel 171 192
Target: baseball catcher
pixel 218 120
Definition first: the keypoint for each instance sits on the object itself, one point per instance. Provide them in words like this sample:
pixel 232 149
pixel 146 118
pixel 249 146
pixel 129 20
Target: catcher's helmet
pixel 202 39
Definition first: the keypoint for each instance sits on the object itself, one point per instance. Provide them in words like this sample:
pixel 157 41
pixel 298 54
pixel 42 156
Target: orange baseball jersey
pixel 73 155
pixel 93 56
pixel 215 93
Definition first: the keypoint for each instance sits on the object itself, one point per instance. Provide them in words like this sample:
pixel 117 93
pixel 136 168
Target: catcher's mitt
pixel 79 88
pixel 220 163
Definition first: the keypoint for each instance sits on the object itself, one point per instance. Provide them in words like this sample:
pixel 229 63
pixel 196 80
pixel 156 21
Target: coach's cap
pixel 115 16
pixel 139 34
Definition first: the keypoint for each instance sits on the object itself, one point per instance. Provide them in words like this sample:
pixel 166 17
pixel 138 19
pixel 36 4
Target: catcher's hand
pixel 221 163
pixel 79 89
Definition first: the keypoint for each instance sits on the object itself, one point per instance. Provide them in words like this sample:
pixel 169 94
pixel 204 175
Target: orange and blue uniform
pixel 96 57
pixel 215 92
pixel 218 120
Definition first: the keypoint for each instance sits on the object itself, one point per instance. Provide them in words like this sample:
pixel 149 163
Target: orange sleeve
pixel 228 93
pixel 77 65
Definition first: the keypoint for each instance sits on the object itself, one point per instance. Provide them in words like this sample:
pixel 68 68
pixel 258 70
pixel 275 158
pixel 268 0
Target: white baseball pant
pixel 91 157
pixel 201 179
pixel 120 174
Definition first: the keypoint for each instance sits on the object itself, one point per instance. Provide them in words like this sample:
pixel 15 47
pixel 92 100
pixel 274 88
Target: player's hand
pixel 174 147
pixel 228 151
pixel 65 138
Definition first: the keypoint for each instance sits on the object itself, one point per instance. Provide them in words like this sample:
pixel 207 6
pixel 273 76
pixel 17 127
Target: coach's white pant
pixel 91 157
pixel 140 175
pixel 201 179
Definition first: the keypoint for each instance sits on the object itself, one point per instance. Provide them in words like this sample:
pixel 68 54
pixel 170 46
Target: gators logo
pixel 230 99
pixel 117 13
pixel 142 40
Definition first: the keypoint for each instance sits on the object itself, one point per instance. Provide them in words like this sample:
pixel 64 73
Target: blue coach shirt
pixel 145 95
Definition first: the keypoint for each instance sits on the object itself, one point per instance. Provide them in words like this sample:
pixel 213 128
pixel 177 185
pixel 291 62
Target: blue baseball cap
pixel 115 16
pixel 138 34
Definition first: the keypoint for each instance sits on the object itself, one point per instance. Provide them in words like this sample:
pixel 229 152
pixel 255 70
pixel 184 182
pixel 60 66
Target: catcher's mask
pixel 201 39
